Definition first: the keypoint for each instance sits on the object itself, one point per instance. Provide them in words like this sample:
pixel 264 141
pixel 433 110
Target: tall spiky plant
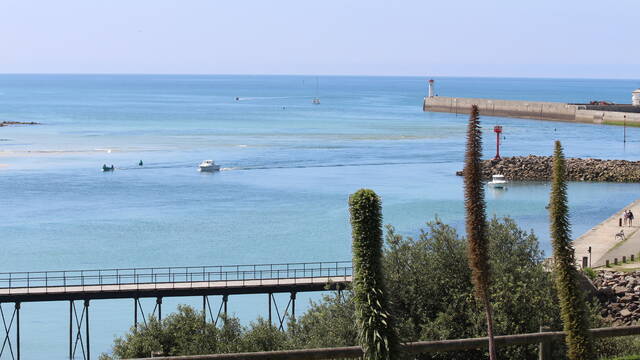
pixel 476 221
pixel 376 331
pixel 573 305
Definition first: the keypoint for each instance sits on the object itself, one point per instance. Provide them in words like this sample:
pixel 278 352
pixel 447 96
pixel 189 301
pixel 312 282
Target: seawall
pixel 538 110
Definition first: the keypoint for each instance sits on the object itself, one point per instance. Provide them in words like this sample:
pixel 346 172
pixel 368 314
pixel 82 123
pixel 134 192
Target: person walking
pixel 630 216
pixel 625 218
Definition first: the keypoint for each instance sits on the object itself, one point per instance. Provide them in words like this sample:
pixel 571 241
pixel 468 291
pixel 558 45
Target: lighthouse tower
pixel 432 90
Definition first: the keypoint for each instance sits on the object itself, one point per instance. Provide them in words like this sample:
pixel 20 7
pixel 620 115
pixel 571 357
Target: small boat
pixel 106 168
pixel 497 181
pixel 316 99
pixel 209 166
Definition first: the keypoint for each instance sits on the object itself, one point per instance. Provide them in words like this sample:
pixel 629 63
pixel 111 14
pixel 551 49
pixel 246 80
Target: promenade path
pixel 603 242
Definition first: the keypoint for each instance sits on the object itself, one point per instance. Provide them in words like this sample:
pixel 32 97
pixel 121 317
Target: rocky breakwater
pixel 619 294
pixel 538 168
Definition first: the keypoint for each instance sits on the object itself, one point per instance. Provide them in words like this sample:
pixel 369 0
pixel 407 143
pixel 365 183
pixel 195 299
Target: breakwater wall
pixel 539 110
pixel 538 168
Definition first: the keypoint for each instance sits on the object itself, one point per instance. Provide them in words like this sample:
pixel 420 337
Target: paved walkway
pixel 603 242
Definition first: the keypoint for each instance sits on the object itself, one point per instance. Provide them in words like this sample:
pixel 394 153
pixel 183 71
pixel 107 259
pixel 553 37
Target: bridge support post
pixel 293 305
pixel 206 307
pixel 71 329
pixel 8 324
pixel 86 310
pixel 135 312
pixel 159 305
pixel 204 311
pixel 75 330
pixel 270 295
pixel 18 330
pixel 225 299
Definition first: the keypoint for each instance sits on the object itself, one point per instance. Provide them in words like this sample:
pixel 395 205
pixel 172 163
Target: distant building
pixel 635 97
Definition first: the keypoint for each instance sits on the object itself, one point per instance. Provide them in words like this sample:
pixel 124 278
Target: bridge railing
pixel 236 275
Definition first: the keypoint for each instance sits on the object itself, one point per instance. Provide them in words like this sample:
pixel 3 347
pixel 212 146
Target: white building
pixel 635 97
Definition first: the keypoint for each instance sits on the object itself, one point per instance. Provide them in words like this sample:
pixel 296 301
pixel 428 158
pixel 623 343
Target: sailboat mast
pixel 316 100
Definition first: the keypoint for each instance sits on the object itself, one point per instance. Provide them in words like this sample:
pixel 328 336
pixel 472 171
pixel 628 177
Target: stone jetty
pixel 619 294
pixel 538 168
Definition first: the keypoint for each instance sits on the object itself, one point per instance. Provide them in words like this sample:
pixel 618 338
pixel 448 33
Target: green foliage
pixel 180 333
pixel 185 333
pixel 434 297
pixel 376 332
pixel 328 323
pixel 262 336
pixel 476 221
pixel 590 273
pixel 575 316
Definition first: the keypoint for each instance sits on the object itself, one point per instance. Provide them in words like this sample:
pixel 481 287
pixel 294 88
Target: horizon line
pixel 321 75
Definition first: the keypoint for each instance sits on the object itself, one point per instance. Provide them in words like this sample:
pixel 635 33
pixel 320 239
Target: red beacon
pixel 498 130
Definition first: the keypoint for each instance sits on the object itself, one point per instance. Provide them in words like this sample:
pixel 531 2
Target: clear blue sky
pixel 561 38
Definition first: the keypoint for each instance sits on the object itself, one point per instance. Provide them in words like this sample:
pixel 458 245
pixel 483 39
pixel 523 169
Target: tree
pixel 476 221
pixel 376 331
pixel 573 306
pixel 434 297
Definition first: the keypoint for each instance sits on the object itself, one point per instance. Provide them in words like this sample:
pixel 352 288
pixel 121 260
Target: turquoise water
pixel 288 168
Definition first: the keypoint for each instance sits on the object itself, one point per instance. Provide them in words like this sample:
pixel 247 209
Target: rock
pixel 620 290
pixel 627 298
pixel 606 293
pixel 625 313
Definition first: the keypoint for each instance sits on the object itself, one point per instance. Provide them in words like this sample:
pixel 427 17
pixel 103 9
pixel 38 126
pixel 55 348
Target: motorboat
pixel 106 168
pixel 497 181
pixel 209 166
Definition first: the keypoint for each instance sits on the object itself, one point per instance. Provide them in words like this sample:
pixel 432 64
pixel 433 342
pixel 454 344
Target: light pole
pixel 624 139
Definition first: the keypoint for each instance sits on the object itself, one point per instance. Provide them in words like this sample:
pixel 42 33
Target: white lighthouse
pixel 432 90
pixel 635 97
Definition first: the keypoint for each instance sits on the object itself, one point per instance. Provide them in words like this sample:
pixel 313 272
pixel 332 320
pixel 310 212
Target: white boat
pixel 316 99
pixel 209 165
pixel 497 181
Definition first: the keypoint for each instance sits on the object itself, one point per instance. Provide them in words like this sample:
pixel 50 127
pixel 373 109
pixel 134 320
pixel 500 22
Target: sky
pixel 561 38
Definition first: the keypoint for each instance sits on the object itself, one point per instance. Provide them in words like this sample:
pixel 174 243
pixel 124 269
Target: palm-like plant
pixel 573 306
pixel 376 331
pixel 476 221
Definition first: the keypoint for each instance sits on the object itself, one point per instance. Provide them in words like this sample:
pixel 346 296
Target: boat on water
pixel 497 181
pixel 106 168
pixel 209 166
pixel 316 99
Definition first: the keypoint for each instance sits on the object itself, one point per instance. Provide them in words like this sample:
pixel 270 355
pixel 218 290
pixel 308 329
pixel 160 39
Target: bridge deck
pixel 161 289
pixel 169 281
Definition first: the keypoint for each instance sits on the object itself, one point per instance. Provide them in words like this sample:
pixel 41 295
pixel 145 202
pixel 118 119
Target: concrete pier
pixel 603 242
pixel 538 110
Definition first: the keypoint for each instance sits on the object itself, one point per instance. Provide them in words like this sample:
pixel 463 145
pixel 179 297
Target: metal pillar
pixel 225 299
pixel 15 317
pixel 159 306
pixel 86 309
pixel 293 305
pixel 18 330
pixel 283 317
pixel 76 323
pixel 270 295
pixel 135 312
pixel 222 309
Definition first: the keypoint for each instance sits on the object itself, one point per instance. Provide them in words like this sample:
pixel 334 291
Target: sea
pixel 288 167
